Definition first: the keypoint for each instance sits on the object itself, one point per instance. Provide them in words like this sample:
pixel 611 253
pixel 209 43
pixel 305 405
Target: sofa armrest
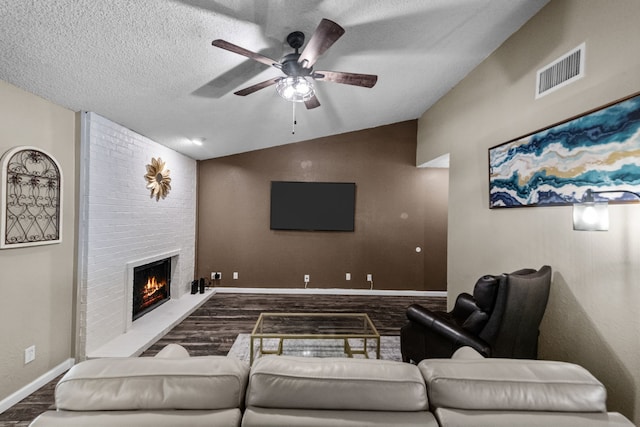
pixel 434 323
pixel 512 385
pixel 173 351
pixel 466 353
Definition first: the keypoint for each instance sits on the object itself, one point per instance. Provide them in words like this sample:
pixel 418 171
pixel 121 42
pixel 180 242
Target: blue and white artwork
pixel 598 151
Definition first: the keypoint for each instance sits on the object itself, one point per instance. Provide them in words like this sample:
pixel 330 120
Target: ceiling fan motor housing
pixel 291 66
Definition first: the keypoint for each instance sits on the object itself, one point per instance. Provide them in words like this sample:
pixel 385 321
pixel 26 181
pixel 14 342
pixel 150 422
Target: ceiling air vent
pixel 564 70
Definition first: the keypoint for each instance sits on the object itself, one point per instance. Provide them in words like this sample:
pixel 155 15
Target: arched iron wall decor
pixel 31 198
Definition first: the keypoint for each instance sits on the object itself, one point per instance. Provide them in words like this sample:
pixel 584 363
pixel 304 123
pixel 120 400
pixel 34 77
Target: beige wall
pixel 395 203
pixel 592 314
pixel 36 307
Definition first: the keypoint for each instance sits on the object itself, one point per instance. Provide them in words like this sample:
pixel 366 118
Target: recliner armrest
pixel 433 322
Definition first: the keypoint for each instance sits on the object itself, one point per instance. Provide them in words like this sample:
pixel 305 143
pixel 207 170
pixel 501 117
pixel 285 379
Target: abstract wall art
pixel 599 150
pixel 30 198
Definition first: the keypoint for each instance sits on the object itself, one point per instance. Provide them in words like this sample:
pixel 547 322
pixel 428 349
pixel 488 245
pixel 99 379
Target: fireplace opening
pixel 151 286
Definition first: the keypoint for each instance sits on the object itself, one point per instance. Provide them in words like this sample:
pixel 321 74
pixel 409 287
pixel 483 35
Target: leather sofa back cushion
pixel 212 382
pixel 336 383
pixel 509 384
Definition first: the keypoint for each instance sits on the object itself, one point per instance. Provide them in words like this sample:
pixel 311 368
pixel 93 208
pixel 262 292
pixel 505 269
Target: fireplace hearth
pixel 151 286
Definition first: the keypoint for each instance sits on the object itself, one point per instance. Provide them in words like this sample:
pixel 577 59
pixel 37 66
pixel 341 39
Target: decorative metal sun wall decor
pixel 158 179
pixel 31 198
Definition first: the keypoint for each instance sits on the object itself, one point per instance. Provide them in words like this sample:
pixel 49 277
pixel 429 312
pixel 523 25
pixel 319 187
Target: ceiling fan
pixel 297 84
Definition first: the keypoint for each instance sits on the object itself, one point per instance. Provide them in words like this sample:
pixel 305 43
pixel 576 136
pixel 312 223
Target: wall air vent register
pixel 561 72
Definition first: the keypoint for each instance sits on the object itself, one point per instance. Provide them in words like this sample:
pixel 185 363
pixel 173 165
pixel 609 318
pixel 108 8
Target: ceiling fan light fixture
pixel 295 88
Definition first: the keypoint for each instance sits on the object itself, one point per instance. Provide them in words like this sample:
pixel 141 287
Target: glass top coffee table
pixel 355 330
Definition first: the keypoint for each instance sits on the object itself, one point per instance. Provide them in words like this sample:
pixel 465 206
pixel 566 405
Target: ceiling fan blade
pixel 244 52
pixel 355 79
pixel 325 35
pixel 249 90
pixel 312 103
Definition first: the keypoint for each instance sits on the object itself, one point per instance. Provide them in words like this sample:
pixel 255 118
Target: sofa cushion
pixel 270 417
pixel 512 384
pixel 211 382
pixel 335 383
pixel 170 418
pixel 464 418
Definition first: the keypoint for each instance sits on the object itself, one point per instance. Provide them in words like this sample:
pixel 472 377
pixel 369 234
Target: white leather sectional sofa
pixel 173 389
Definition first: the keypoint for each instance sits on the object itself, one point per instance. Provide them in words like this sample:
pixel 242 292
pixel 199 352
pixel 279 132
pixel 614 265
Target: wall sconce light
pixel 592 215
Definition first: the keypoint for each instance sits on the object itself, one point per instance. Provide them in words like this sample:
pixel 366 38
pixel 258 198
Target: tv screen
pixel 313 206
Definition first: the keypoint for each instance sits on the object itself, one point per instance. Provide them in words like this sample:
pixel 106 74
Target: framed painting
pixel 598 150
pixel 30 198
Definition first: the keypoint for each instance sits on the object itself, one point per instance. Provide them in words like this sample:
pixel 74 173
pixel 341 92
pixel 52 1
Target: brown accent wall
pixel 398 208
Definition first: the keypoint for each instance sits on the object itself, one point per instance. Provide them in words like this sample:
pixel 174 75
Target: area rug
pixel 389 347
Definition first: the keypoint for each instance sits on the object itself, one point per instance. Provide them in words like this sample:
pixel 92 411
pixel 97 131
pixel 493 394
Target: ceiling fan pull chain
pixel 293 126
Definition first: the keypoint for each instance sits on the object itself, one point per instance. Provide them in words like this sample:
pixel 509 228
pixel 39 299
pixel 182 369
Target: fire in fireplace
pixel 151 286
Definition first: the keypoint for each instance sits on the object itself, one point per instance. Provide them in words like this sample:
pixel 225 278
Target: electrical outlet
pixel 347 276
pixel 306 278
pixel 369 277
pixel 217 276
pixel 235 275
pixel 29 354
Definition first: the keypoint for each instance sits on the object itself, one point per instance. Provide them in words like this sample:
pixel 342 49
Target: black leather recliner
pixel 501 319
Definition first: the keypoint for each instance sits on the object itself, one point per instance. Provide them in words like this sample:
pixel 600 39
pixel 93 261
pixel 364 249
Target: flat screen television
pixel 313 206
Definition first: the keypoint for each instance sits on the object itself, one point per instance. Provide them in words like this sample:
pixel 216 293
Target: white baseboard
pixel 36 384
pixel 329 291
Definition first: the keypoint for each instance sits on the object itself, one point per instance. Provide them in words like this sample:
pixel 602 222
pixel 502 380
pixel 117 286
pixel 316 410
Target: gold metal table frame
pixel 283 326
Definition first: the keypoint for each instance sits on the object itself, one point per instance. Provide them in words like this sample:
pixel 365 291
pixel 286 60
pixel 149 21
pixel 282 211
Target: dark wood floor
pixel 212 329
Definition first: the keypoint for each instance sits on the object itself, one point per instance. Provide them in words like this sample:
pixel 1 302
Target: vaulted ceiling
pixel 149 64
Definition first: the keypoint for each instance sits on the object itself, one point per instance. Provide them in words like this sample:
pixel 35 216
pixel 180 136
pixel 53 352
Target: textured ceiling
pixel 150 66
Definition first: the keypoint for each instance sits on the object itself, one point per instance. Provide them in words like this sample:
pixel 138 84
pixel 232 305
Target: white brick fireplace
pixel 121 226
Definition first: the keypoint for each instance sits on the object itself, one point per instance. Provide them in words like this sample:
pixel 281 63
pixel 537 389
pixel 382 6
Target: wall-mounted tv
pixel 313 206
